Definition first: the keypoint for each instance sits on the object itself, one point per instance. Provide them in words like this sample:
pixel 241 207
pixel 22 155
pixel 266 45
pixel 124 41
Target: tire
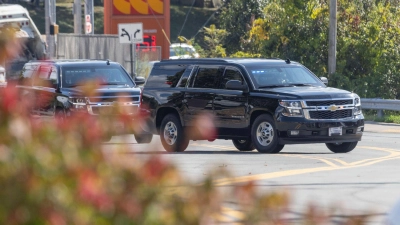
pixel 341 147
pixel 243 144
pixel 60 115
pixel 264 135
pixel 143 138
pixel 172 135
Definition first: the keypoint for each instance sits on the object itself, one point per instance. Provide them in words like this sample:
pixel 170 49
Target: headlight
pixel 78 102
pixel 357 105
pixel 292 108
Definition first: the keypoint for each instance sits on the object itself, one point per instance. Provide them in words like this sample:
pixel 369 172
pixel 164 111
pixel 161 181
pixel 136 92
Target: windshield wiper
pixel 110 83
pixel 276 86
pixel 302 84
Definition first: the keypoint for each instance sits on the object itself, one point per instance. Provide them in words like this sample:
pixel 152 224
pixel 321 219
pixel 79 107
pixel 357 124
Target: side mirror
pixel 140 80
pixel 236 85
pixel 324 80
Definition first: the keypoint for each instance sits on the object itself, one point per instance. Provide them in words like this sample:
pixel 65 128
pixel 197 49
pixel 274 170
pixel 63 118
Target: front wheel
pixel 341 147
pixel 264 135
pixel 243 144
pixel 171 134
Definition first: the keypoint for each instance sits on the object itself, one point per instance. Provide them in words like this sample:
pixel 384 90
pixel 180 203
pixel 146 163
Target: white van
pixel 182 51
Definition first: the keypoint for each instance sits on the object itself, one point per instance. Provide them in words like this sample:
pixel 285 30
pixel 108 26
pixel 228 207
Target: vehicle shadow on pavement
pixel 207 152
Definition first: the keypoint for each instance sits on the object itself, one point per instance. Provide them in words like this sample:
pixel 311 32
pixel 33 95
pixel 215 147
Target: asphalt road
pixel 365 180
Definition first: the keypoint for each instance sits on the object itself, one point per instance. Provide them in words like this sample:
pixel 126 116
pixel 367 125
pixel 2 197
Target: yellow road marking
pixel 230 216
pixel 234 213
pixel 393 155
pixel 391 131
pixel 325 160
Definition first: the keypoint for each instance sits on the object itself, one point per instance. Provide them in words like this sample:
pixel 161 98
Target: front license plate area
pixel 335 131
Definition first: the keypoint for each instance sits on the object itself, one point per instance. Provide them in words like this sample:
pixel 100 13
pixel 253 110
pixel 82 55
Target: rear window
pixel 165 76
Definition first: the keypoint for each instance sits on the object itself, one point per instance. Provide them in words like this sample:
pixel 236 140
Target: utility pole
pixel 77 11
pixel 89 17
pixel 50 19
pixel 332 36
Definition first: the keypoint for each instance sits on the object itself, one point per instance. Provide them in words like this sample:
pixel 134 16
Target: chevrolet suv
pixel 54 88
pixel 261 104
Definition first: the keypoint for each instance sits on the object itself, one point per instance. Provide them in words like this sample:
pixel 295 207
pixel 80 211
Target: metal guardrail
pixel 380 105
pixel 376 103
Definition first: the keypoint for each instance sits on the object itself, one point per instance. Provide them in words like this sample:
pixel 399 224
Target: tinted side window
pixel 185 77
pixel 165 75
pixel 206 76
pixel 42 77
pixel 231 74
pixel 53 75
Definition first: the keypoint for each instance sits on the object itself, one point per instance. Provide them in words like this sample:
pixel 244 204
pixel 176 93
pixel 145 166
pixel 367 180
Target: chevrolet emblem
pixel 333 108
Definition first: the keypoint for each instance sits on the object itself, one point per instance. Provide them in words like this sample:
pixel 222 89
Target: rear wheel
pixel 341 147
pixel 171 134
pixel 143 138
pixel 264 135
pixel 243 144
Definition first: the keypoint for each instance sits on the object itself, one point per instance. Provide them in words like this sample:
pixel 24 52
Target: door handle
pixel 218 98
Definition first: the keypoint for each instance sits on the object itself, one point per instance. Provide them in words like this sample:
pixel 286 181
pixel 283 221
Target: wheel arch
pixel 256 113
pixel 162 112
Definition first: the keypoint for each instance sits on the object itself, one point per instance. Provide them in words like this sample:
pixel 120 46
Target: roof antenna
pixel 287 60
pixel 108 62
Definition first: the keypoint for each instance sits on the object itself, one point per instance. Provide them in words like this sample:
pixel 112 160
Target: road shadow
pixel 208 152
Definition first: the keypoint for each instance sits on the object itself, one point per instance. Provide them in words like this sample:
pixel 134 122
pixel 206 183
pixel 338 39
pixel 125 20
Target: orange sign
pixel 138 7
pixel 153 14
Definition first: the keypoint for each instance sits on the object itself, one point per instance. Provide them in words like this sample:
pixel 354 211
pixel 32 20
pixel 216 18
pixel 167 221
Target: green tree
pixel 368 41
pixel 213 39
pixel 236 18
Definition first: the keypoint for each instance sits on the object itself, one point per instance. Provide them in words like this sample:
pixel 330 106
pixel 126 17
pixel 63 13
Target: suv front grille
pixel 330 102
pixel 114 99
pixel 339 114
pixel 107 110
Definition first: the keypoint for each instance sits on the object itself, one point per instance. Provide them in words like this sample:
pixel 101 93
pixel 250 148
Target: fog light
pixel 294 132
pixel 360 129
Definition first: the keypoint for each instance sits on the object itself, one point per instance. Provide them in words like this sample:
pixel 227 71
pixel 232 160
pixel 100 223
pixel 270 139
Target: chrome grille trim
pixel 320 110
pixel 94 104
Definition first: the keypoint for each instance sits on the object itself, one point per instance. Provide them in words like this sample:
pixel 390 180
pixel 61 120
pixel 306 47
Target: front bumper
pixel 292 130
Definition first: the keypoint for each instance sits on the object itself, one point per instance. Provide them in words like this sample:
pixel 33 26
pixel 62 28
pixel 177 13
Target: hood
pixel 308 92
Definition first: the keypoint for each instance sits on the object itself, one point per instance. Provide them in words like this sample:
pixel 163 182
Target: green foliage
pixel 368 41
pixel 236 18
pixel 213 38
pixel 241 54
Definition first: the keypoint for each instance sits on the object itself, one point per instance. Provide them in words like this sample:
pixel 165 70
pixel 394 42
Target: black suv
pixel 54 89
pixel 260 104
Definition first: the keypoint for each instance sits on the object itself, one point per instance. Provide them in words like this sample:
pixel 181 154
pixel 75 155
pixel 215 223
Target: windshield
pixel 282 76
pixel 77 75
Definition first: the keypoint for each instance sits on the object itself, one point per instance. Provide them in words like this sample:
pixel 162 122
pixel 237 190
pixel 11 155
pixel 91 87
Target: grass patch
pixel 389 116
